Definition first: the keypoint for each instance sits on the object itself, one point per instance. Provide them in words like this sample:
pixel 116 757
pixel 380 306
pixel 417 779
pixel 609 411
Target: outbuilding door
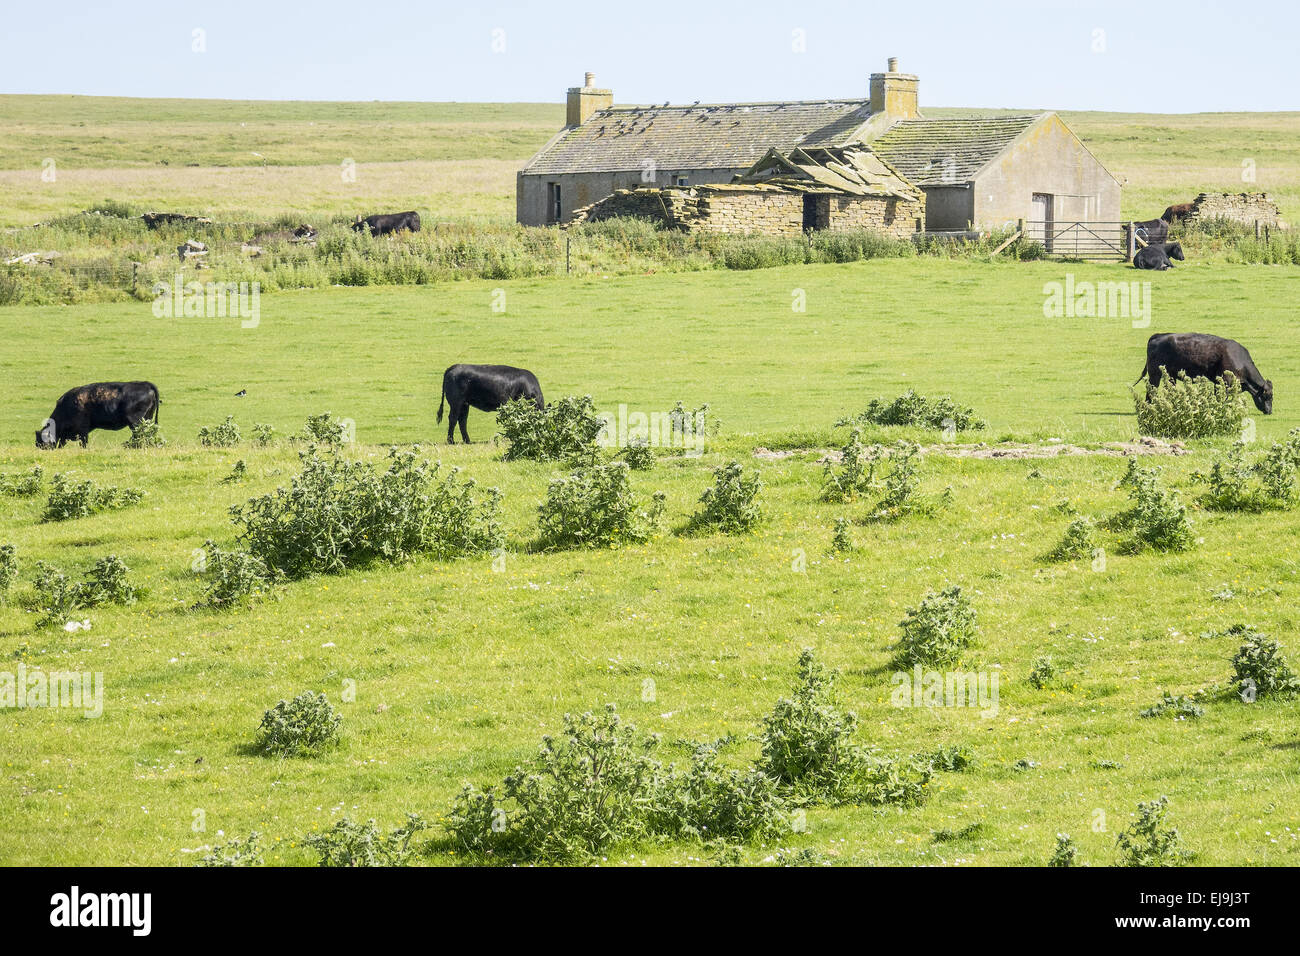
pixel 1041 218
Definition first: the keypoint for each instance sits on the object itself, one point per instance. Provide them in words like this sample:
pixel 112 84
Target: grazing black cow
pixel 487 388
pixel 1157 257
pixel 1153 231
pixel 110 405
pixel 383 224
pixel 1178 212
pixel 1206 356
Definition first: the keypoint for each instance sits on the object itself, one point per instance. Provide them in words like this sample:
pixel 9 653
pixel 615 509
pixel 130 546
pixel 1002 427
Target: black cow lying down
pixel 1206 356
pixel 382 224
pixel 110 405
pixel 1157 257
pixel 487 388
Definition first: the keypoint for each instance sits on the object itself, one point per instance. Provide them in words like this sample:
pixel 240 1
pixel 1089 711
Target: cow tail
pixel 157 404
pixel 1140 377
pixel 444 399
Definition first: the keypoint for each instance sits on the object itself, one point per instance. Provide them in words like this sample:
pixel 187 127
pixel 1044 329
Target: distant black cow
pixel 383 224
pixel 1178 212
pixel 1206 356
pixel 1157 257
pixel 487 388
pixel 110 405
pixel 1152 231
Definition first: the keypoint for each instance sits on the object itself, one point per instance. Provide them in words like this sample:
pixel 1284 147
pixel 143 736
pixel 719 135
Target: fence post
pixel 1131 243
pixel 567 239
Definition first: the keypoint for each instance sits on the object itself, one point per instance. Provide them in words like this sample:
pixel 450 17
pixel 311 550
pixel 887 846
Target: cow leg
pixel 464 418
pixel 451 423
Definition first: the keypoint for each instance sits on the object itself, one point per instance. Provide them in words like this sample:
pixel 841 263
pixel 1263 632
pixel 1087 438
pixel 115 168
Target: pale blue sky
pixel 1152 56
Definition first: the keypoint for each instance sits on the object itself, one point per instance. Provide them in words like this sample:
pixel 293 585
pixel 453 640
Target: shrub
pixel 325 429
pixel 711 802
pixel 362 844
pixel 71 499
pixel 1234 484
pixel 1079 541
pixel 26 485
pixel 237 474
pixel 594 508
pixel 1066 853
pixel 638 455
pixel 590 788
pixel 699 423
pixel 235 577
pixel 339 514
pixel 8 569
pixel 57 596
pixel 1179 707
pixel 900 487
pixel 224 435
pixel 952 759
pixel 856 474
pixel 913 409
pixel 235 852
pixel 731 505
pixel 567 430
pixel 808 748
pixel 1157 519
pixel 1259 669
pixel 304 725
pixel 1042 673
pixel 937 630
pixel 1148 842
pixel 263 434
pixel 841 540
pixel 145 434
pixel 1185 407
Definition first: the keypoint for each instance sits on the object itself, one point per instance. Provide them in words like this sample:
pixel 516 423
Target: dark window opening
pixel 555 207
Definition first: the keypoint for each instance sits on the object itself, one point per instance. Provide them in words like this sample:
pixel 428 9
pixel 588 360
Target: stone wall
pixel 749 210
pixel 1248 208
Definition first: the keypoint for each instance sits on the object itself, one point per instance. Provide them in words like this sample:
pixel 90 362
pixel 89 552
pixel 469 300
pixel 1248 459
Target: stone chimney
pixel 894 93
pixel 585 100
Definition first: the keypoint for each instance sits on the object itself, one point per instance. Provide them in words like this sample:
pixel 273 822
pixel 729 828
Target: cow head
pixel 47 435
pixel 1175 251
pixel 1264 397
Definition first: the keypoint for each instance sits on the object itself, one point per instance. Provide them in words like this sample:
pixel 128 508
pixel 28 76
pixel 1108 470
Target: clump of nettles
pixel 107 582
pixel 731 506
pixel 913 409
pixel 263 434
pixel 1148 841
pixel 856 474
pixel 568 430
pixel 224 435
pixel 22 485
pixel 1185 407
pixel 597 784
pixel 363 844
pixel 1179 707
pixel 695 424
pixel 1042 673
pixel 1066 853
pixel 325 429
pixel 638 454
pixel 340 513
pixel 237 474
pixel 1157 518
pixel 937 630
pixel 808 747
pixel 1269 482
pixel 952 759
pixel 594 507
pixel 234 577
pixel 145 434
pixel 841 540
pixel 8 569
pixel 71 499
pixel 235 852
pixel 293 728
pixel 1259 668
pixel 1079 541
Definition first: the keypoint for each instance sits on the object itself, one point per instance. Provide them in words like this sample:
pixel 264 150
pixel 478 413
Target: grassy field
pixel 461 669
pixel 456 161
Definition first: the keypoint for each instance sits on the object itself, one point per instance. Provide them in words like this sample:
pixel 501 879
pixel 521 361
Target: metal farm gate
pixel 1106 241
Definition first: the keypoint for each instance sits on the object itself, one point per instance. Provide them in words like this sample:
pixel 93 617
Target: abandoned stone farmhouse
pixel 782 168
